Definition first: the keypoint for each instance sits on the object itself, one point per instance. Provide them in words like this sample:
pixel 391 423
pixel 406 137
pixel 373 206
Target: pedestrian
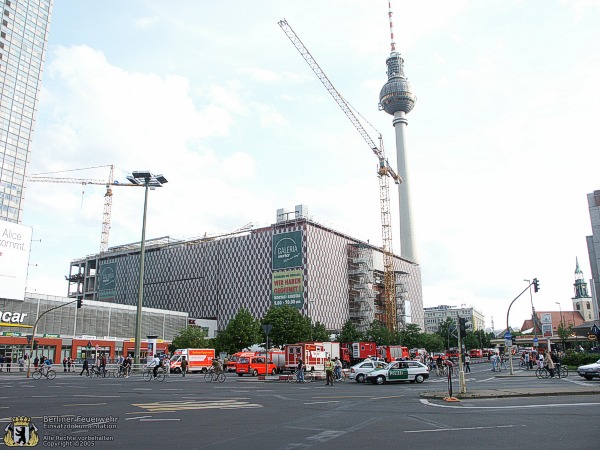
pixel 21 364
pixel 166 365
pixel 69 363
pixel 1 362
pixel 65 364
pixel 86 368
pixel 467 364
pixel 329 372
pixel 103 365
pixel 503 361
pixel 494 362
pixel 36 362
pixel 8 361
pixel 184 366
pixel 549 364
pixel 300 372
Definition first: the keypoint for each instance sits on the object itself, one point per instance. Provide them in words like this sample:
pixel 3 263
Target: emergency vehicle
pixel 476 353
pixel 359 351
pixel 313 355
pixel 391 353
pixel 254 365
pixel 232 360
pixel 199 359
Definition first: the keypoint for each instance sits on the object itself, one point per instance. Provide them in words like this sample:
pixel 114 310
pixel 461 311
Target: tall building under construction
pixel 327 275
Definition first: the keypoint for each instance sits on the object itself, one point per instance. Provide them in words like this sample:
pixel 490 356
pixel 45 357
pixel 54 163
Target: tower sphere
pixel 396 94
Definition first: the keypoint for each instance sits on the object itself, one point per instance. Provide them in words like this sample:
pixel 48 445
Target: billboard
pixel 287 250
pixel 15 243
pixel 106 280
pixel 288 288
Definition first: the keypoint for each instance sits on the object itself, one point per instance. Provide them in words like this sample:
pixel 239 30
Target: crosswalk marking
pixel 171 406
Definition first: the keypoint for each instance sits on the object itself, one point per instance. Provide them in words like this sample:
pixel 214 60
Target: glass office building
pixel 23 41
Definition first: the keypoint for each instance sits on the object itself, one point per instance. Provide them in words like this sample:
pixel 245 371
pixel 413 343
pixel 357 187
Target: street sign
pixel 507 336
pixel 596 330
pixel 536 342
pixel 267 327
pixel 508 343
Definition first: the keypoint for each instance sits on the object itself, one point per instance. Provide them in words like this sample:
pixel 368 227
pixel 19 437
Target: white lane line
pixel 316 403
pixel 156 420
pixel 86 404
pixel 546 405
pixel 139 417
pixel 462 429
pixel 487 379
pixel 97 396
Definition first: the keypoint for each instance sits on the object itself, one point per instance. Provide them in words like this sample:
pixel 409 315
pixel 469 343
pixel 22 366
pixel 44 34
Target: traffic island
pixel 521 392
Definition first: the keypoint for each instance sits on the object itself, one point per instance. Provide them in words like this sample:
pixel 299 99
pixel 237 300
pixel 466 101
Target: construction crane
pixel 84 181
pixel 383 172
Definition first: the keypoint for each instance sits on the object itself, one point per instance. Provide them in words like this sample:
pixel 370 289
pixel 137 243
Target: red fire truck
pixel 358 351
pixel 391 353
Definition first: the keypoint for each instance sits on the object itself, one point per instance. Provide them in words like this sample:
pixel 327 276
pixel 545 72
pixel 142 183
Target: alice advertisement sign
pixel 287 250
pixel 15 242
pixel 288 288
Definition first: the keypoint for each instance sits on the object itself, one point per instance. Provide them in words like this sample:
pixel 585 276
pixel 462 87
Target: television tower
pixel 397 100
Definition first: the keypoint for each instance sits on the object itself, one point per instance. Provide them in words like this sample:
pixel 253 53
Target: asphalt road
pixel 71 411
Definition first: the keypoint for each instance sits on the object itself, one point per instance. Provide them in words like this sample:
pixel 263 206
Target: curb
pixel 483 395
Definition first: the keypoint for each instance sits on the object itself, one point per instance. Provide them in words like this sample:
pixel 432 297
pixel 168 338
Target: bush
pixel 579 358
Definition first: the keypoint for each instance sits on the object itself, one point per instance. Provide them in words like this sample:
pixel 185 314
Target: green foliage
pixel 411 336
pixel 289 326
pixel 445 332
pixel 190 337
pixel 242 332
pixel 380 334
pixel 350 333
pixel 319 333
pixel 574 359
pixel 564 332
pixel 431 342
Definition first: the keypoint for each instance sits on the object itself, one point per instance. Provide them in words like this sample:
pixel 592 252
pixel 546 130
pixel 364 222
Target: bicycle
pixel 559 372
pixel 121 372
pixel 148 374
pixel 338 376
pixel 49 374
pixel 211 375
pixel 308 377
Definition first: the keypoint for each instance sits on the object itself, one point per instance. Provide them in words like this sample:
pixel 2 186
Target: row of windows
pixel 8 185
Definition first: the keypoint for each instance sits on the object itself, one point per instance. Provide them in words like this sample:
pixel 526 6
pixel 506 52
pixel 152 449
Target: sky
pixel 502 143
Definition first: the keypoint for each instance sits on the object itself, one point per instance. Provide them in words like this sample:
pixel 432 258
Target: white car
pixel 359 371
pixel 400 371
pixel 590 371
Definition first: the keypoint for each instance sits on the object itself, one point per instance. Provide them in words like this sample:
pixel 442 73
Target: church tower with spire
pixel 582 302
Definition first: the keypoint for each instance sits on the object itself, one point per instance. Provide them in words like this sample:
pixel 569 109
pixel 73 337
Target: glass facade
pixel 23 40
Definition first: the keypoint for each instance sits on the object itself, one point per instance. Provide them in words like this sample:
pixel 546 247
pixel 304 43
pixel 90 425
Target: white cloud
pixel 145 22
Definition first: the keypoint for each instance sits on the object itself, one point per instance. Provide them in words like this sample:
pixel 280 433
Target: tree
pixel 410 335
pixel 432 342
pixel 350 333
pixel 241 332
pixel 289 326
pixel 319 333
pixel 190 337
pixel 564 331
pixel 380 334
pixel 446 330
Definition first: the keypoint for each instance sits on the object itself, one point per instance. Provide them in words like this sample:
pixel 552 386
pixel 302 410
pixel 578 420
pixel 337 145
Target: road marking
pixel 389 396
pixel 316 403
pixel 192 405
pixel 462 429
pixel 546 405
pixel 154 420
pixel 134 418
pixel 44 396
pixel 86 404
pixel 97 396
pixel 487 379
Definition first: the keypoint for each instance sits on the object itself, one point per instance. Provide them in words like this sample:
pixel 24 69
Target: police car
pixel 412 371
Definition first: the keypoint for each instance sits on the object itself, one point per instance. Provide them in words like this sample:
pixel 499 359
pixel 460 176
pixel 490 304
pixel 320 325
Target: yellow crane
pixel 383 172
pixel 84 181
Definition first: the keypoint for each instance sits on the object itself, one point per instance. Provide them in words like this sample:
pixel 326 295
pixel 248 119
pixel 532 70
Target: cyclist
pixel 155 364
pixel 337 369
pixel 46 366
pixel 216 364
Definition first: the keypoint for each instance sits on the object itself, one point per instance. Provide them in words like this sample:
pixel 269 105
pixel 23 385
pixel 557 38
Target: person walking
pixel 184 366
pixel 329 372
pixel 1 362
pixel 467 363
pixel 300 372
pixel 549 364
pixel 86 368
pixel 65 364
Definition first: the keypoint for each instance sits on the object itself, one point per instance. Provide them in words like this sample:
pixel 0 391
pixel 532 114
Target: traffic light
pixel 462 326
pixel 514 341
pixel 79 303
pixel 536 285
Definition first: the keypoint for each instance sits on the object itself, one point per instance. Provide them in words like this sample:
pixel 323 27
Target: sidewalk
pixel 546 391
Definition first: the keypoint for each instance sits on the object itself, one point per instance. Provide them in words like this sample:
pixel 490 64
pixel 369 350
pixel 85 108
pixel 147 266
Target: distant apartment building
pixel 436 315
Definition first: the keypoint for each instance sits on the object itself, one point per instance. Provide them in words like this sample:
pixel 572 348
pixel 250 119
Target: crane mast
pixel 383 172
pixel 106 214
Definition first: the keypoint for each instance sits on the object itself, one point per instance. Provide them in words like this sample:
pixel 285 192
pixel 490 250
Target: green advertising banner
pixel 287 250
pixel 288 288
pixel 107 276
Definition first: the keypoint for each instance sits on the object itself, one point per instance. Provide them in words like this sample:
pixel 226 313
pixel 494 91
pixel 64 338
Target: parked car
pixel 590 371
pixel 413 371
pixel 358 371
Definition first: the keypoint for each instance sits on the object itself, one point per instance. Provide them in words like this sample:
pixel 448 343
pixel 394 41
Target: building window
pixel 578 307
pixel 587 305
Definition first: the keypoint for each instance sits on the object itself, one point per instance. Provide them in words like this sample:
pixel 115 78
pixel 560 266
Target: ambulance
pixel 199 359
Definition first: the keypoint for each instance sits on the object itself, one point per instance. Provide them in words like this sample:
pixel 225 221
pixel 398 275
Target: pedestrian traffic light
pixel 462 326
pixel 79 302
pixel 536 285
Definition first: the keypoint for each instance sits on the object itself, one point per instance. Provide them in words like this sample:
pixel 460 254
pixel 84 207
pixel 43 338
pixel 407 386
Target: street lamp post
pixel 562 325
pixel 149 181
